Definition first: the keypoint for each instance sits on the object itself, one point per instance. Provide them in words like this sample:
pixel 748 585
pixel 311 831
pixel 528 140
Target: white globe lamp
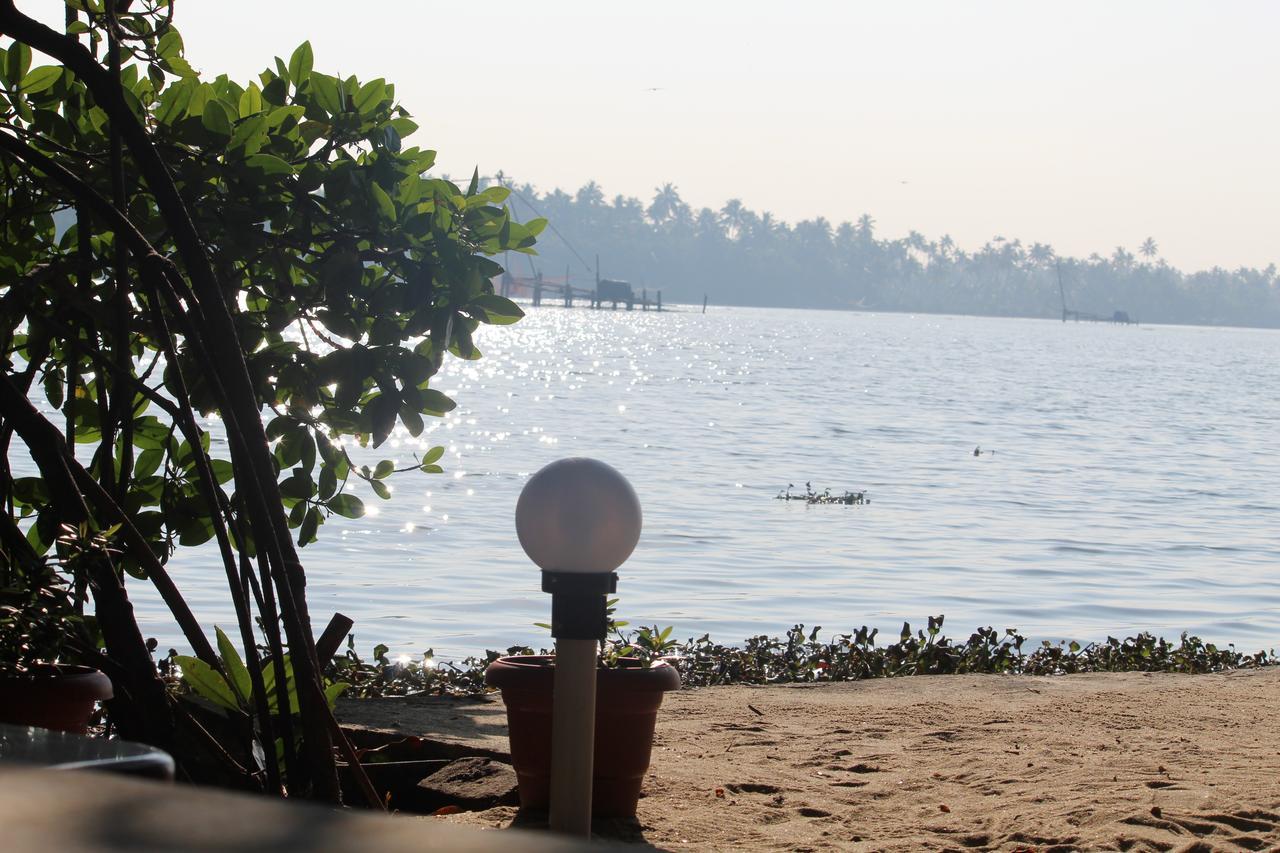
pixel 578 520
pixel 578 516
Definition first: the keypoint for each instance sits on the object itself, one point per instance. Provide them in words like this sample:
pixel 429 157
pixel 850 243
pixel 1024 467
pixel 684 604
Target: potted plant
pixel 40 628
pixel 634 673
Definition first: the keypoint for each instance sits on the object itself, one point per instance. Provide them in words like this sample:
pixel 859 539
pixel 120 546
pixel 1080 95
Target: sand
pixel 1091 762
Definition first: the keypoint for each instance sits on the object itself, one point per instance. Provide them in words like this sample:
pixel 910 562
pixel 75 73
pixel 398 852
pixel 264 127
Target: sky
pixel 1082 124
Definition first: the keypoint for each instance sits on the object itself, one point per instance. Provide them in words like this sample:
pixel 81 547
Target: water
pixel 1132 484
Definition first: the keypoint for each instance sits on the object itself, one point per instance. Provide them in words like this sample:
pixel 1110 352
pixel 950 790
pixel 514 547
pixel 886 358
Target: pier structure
pixel 538 287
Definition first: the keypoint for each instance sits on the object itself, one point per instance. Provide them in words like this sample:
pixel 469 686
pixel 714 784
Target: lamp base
pixel 579 609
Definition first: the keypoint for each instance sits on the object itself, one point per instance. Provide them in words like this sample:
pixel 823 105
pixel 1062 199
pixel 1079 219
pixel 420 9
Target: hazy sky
pixel 1083 124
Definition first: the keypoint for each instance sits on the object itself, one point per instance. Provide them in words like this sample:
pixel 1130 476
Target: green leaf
pixel 170 44
pixel 269 684
pixel 179 66
pixel 386 208
pixel 498 310
pixel 39 79
pixel 328 483
pixel 251 101
pixel 269 163
pixel 292 446
pixel 367 98
pixel 382 411
pixel 207 682
pixel 16 62
pixel 436 403
pixel 215 118
pixel 348 506
pixel 53 388
pixel 432 455
pixel 333 691
pixel 327 94
pixel 412 420
pixel 44 532
pixel 384 469
pixel 432 469
pixel 235 666
pixel 298 486
pixel 380 489
pixel 300 64
pixel 307 532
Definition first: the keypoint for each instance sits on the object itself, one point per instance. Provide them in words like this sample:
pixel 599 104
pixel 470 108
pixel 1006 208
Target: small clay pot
pixel 627 700
pixel 53 697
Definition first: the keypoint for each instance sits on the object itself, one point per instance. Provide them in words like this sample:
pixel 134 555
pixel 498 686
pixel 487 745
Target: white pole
pixel 573 736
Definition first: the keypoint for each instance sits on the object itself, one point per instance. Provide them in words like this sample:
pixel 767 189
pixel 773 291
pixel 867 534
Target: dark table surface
pixel 66 751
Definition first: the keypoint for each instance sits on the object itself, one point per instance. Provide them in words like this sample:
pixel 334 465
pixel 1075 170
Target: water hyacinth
pixel 801 656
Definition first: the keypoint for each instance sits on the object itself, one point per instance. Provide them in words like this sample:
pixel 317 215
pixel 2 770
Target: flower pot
pixel 627 700
pixel 53 697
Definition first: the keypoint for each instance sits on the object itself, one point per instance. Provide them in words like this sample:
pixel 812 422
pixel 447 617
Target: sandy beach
pixel 1127 761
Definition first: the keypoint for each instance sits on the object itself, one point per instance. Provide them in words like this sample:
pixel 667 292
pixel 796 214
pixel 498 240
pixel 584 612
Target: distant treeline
pixel 736 256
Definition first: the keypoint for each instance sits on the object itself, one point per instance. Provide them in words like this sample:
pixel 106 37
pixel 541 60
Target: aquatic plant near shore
pixel 824 497
pixel 800 656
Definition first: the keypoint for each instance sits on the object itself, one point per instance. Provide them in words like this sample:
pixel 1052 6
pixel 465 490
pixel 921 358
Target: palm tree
pixel 866 226
pixel 731 216
pixel 666 201
pixel 1149 249
pixel 1041 253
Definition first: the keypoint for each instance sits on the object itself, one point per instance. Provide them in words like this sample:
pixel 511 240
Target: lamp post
pixel 578 520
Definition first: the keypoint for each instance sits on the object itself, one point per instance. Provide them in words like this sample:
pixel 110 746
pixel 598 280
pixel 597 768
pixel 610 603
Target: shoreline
pixel 1120 761
pixel 800 657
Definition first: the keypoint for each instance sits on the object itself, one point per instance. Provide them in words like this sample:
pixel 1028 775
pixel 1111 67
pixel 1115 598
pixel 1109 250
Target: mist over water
pixel 1131 487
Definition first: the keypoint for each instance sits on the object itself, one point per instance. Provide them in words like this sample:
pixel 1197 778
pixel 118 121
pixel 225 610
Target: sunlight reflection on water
pixel 1130 486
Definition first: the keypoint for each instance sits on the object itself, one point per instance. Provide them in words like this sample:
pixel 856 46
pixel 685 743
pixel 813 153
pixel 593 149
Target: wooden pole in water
pixel 704 303
pixel 659 300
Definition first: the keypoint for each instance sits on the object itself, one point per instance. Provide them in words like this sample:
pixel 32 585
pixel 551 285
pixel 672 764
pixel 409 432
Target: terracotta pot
pixel 53 697
pixel 627 700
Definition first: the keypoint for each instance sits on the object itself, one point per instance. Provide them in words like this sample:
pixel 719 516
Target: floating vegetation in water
pixel 800 656
pixel 823 497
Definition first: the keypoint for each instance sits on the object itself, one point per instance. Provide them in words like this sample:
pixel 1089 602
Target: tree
pixel 1149 249
pixel 666 204
pixel 228 248
pixel 734 216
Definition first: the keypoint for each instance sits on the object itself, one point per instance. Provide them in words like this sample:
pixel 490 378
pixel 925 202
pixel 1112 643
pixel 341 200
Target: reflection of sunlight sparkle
pixel 371 510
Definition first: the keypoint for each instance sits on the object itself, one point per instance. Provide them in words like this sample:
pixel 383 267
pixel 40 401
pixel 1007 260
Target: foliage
pixel 381 676
pixel 800 656
pixel 178 247
pixel 354 275
pixel 737 256
pixel 644 647
pixel 232 689
pixel 41 619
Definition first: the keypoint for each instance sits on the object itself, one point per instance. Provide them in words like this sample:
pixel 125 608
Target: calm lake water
pixel 1133 483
